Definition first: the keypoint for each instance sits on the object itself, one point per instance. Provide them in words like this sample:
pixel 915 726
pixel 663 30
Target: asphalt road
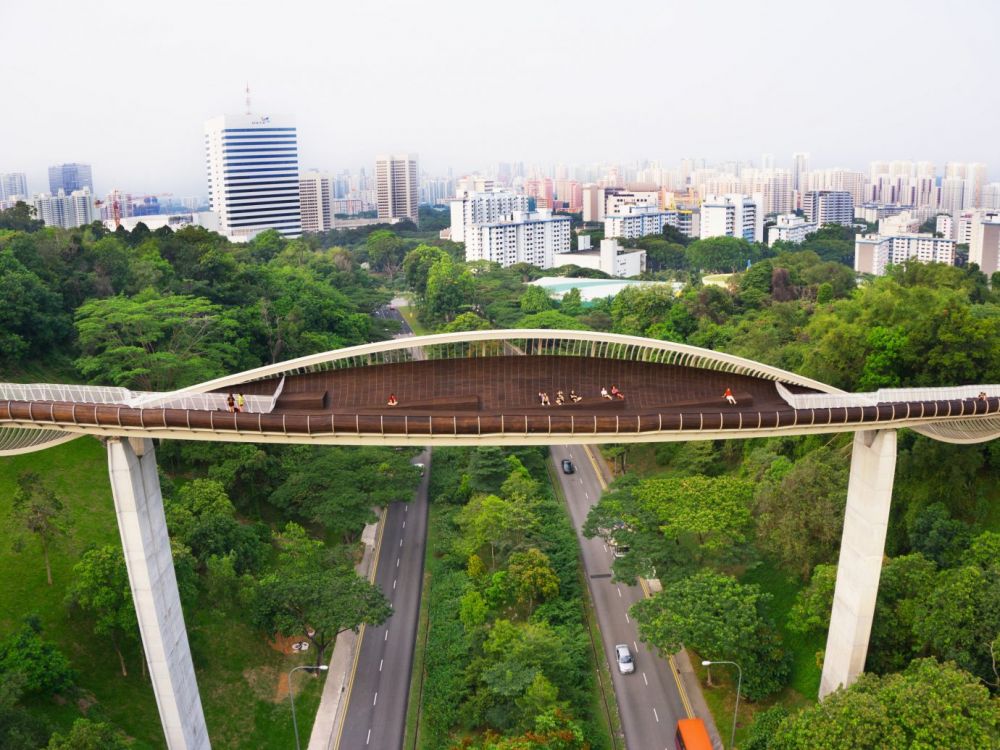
pixel 376 709
pixel 649 700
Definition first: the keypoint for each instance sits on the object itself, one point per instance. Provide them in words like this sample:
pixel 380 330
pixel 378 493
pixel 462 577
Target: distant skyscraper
pixel 800 164
pixel 70 177
pixel 396 187
pixel 953 194
pixel 315 194
pixel 253 175
pixel 13 183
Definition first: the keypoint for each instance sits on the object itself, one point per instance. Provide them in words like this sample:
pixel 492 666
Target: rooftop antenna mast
pixel 248 98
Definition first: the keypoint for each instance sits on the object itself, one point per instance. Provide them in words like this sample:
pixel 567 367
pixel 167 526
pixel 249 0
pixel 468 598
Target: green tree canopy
pixel 929 705
pixel 153 342
pixel 89 735
pixel 38 511
pixel 313 595
pixel 719 618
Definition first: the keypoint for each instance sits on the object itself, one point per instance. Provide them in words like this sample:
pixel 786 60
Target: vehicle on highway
pixel 692 735
pixel 567 466
pixel 626 665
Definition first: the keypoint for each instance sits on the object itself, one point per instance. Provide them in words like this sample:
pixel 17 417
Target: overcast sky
pixel 127 86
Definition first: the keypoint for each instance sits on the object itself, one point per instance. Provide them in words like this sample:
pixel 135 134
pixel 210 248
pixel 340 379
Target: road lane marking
pixel 381 661
pixel 361 631
pixel 619 592
pixel 375 699
pixel 628 620
pixel 406 508
pixel 369 739
pixel 397 562
pixel 400 542
pixel 404 524
pixel 636 646
pixel 386 635
pixel 643 679
pixel 393 584
pixel 656 716
pixel 593 460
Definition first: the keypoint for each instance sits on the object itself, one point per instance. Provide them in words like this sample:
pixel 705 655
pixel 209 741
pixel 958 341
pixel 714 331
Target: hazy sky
pixel 127 86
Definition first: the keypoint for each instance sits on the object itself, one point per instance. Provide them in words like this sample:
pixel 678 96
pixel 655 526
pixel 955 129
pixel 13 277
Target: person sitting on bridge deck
pixel 728 395
pixel 574 397
pixel 545 398
pixel 560 398
pixel 605 394
pixel 982 396
pixel 617 393
pixel 393 401
pixel 231 403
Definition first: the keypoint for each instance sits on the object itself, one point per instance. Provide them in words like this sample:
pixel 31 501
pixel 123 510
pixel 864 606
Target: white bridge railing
pixel 882 396
pixel 95 394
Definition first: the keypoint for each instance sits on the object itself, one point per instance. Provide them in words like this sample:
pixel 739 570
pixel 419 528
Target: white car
pixel 624 657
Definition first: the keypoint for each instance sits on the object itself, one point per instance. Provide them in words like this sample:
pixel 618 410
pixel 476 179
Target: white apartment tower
pixel 315 196
pixel 253 175
pixel 471 208
pixel 396 187
pixel 874 252
pixel 521 237
pixel 828 207
pixel 732 215
pixel 66 211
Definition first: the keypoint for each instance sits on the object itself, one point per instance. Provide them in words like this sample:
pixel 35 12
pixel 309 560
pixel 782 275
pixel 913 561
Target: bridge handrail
pixel 882 396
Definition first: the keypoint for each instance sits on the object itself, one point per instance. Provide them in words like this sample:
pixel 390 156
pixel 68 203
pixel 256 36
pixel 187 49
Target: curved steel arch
pixel 670 352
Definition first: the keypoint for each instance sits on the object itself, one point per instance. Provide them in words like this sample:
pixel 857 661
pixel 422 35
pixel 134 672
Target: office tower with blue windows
pixel 253 175
pixel 70 177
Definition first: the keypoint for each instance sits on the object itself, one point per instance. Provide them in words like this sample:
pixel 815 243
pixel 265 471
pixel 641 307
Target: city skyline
pixel 468 107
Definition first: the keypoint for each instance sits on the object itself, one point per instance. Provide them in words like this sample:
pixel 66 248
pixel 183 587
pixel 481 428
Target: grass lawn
pixel 410 316
pixel 239 675
pixel 803 686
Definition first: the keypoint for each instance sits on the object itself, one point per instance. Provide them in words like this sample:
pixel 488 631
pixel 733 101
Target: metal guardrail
pixel 882 396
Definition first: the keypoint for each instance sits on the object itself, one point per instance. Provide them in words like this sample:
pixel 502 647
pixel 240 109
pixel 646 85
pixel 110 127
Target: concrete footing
pixel 866 518
pixel 143 526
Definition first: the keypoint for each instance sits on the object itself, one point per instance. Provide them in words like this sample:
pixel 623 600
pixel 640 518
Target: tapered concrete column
pixel 143 527
pixel 869 492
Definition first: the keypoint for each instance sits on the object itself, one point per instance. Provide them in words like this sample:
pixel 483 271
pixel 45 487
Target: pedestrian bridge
pixel 482 388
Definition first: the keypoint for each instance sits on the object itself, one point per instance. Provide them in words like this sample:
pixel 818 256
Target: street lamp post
pixel 291 695
pixel 739 684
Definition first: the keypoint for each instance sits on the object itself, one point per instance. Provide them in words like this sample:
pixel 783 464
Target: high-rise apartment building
pixel 315 201
pixel 874 252
pixel 396 187
pixel 828 207
pixel 66 211
pixel 732 215
pixel 253 175
pixel 633 221
pixel 991 196
pixel 984 245
pixel 790 228
pixel 13 184
pixel 953 192
pixel 522 237
pixel 469 209
pixel 70 177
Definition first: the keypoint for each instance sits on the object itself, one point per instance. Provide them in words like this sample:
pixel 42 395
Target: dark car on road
pixel 567 466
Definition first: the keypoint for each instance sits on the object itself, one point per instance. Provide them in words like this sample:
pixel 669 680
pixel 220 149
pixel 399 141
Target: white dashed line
pixel 656 716
pixel 400 542
pixel 393 584
pixel 397 562
pixel 375 700
pixel 628 621
pixel 619 591
pixel 368 741
pixel 381 661
pixel 404 524
pixel 406 508
pixel 386 635
pixel 636 646
pixel 644 679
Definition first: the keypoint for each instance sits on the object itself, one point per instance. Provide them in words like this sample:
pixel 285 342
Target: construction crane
pixel 116 207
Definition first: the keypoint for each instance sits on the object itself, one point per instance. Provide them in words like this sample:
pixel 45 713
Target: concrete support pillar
pixel 143 526
pixel 869 492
